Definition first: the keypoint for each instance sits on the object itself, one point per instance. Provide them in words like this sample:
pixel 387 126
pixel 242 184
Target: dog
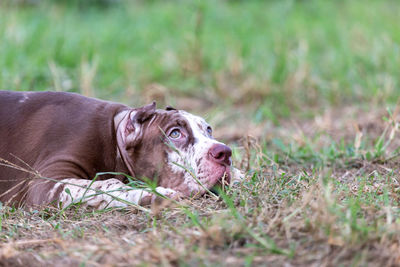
pixel 53 145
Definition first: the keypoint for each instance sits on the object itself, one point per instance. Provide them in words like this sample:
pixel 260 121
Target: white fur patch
pixel 237 175
pixel 102 194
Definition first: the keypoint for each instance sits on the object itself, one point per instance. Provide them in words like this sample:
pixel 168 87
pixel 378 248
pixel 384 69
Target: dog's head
pixel 174 147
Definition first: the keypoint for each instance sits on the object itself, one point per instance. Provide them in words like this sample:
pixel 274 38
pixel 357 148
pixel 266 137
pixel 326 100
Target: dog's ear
pixel 137 117
pixel 129 132
pixel 144 113
pixel 134 121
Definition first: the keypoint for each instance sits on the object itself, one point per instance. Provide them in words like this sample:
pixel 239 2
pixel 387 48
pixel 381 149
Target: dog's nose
pixel 221 154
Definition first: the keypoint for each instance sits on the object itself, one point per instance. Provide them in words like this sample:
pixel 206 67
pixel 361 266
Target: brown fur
pixel 60 135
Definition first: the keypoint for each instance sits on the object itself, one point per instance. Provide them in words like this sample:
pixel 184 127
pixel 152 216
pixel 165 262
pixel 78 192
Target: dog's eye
pixel 209 130
pixel 175 134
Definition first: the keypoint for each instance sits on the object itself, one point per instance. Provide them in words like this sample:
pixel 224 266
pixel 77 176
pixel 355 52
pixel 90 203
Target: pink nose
pixel 221 154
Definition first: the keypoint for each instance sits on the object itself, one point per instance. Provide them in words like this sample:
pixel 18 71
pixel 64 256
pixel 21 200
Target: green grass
pixel 290 53
pixel 315 83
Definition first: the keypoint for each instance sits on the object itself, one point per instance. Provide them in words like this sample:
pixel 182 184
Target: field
pixel 305 92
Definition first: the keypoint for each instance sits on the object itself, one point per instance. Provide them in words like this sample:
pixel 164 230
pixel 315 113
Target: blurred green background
pixel 266 60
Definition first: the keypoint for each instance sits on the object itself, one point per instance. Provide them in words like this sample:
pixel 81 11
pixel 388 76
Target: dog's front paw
pixel 168 193
pixel 237 176
pixel 162 193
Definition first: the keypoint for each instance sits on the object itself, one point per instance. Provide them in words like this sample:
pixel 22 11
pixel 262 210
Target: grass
pixel 314 83
pixel 315 52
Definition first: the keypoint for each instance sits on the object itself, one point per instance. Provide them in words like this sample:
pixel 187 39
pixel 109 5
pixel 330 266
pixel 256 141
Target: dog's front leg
pixel 102 194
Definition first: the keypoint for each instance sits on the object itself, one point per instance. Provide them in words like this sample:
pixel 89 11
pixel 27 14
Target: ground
pixel 305 92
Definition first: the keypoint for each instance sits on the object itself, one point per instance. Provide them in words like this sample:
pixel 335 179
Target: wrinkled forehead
pixel 196 125
pixel 166 117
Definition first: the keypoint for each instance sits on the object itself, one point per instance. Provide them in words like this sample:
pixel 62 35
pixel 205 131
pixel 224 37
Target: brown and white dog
pixel 68 138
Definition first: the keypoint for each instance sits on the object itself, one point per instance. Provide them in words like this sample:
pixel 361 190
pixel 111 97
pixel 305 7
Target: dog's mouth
pixel 219 178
